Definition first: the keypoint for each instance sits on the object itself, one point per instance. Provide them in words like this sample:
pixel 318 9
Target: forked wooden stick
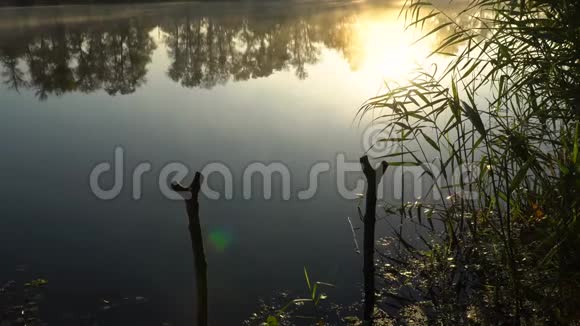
pixel 192 206
pixel 373 177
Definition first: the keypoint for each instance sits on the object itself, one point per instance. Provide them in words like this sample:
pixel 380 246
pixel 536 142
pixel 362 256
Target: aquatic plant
pixel 20 303
pixel 500 245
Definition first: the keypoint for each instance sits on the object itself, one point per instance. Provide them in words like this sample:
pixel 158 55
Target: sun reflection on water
pixel 388 51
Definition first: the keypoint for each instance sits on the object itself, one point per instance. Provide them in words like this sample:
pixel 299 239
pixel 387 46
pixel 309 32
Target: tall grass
pixel 505 112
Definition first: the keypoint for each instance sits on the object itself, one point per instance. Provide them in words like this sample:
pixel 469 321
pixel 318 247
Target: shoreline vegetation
pixel 502 246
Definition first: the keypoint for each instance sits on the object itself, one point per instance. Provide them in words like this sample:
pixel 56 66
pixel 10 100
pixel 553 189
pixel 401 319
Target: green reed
pixel 502 246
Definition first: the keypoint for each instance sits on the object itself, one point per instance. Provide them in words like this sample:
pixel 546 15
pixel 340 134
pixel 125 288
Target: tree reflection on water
pixel 204 51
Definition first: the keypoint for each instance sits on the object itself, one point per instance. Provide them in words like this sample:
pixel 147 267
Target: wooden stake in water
pixel 192 206
pixel 373 177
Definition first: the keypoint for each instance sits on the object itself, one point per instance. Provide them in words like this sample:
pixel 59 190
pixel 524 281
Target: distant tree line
pixel 113 55
pixel 11 3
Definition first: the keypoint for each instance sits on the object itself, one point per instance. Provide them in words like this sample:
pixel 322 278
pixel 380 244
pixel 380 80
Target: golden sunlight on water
pixel 381 50
pixel 387 49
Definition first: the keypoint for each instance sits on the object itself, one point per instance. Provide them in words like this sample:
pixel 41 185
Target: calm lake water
pixel 190 83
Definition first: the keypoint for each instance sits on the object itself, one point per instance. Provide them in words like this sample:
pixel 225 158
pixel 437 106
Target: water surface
pixel 190 83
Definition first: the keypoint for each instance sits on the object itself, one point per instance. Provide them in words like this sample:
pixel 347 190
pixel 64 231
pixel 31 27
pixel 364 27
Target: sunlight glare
pixel 388 50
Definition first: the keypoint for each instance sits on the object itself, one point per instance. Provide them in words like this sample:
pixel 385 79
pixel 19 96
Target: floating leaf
pixel 272 321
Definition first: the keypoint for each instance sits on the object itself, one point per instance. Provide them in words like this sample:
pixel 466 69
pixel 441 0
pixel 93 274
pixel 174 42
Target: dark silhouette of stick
pixel 373 176
pixel 192 206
